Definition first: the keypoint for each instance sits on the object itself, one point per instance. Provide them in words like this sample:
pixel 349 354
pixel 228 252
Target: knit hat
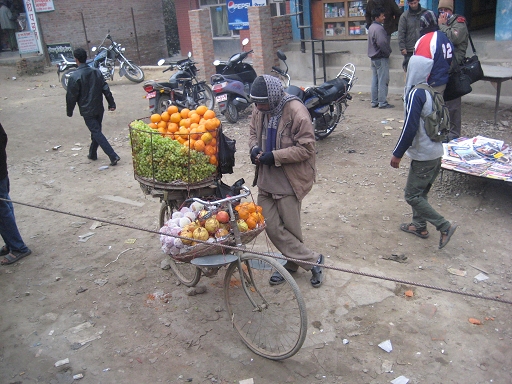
pixel 428 22
pixel 446 4
pixel 259 92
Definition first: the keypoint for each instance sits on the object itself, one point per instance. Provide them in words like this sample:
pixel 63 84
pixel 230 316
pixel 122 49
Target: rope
pixel 243 249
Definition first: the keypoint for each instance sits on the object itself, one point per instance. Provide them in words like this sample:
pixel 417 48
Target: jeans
pixel 98 138
pixel 422 175
pixel 380 80
pixel 8 227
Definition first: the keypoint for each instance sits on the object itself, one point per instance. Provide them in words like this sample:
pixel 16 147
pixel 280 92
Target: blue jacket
pixel 436 46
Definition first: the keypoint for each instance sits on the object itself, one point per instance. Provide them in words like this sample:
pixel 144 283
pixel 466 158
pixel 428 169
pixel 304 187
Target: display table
pixel 497 75
pixel 479 156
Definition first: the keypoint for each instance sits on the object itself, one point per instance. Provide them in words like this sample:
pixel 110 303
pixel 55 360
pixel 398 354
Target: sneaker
pixel 114 160
pixel 387 106
pixel 375 105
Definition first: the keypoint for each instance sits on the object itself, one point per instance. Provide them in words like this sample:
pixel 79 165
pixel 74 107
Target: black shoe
pixel 276 279
pixel 114 160
pixel 387 106
pixel 318 273
pixel 92 157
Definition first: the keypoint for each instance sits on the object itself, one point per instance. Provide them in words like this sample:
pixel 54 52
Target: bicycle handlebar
pixel 225 200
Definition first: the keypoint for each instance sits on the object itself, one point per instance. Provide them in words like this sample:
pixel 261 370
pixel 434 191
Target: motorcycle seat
pixel 331 90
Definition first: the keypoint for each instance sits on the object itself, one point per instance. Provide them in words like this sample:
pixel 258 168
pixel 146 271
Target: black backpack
pixel 226 155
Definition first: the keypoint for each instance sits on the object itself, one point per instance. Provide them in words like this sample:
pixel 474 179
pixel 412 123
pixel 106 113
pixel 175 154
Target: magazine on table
pixel 469 155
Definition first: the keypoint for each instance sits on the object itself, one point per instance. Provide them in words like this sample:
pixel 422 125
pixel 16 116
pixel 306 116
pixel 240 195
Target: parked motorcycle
pixel 232 84
pixel 105 61
pixel 326 103
pixel 183 89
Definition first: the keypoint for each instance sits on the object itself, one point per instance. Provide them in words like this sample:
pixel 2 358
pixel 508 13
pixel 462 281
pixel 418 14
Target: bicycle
pixel 271 320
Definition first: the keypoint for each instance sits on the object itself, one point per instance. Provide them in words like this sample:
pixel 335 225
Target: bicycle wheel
pixel 276 328
pixel 188 274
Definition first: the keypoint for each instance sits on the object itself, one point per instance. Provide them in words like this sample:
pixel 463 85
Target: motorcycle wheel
pixel 133 72
pixel 205 97
pixel 162 104
pixel 64 79
pixel 231 113
pixel 324 131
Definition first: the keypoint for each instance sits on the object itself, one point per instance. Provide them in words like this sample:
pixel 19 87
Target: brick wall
pixel 85 24
pixel 184 25
pixel 202 42
pixel 282 33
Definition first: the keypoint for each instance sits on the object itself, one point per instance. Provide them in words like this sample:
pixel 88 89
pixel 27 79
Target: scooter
pixel 183 89
pixel 326 103
pixel 232 83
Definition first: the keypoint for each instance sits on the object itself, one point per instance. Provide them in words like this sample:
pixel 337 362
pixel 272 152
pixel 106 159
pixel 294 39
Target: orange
pixel 180 139
pixel 189 143
pixel 199 145
pixel 209 125
pixel 201 110
pixel 183 131
pixel 213 143
pixel 162 124
pixel 243 213
pixel 175 117
pixel 194 125
pixel 201 128
pixel 185 123
pixel 213 160
pixel 192 111
pixel 184 113
pixel 153 125
pixel 195 134
pixel 194 117
pixel 209 114
pixel 172 109
pixel 172 127
pixel 162 130
pixel 251 223
pixel 259 209
pixel 206 137
pixel 155 118
pixel 251 207
pixel 217 122
pixel 165 116
pixel 209 150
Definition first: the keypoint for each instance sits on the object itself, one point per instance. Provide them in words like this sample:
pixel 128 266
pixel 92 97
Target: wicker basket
pixel 249 236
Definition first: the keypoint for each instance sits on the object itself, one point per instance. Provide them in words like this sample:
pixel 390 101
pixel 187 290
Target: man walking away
pixel 454 26
pixel 379 50
pixel 86 87
pixel 425 155
pixel 409 30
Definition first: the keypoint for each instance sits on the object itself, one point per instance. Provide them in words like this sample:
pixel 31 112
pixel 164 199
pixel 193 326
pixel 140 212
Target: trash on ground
pixel 247 381
pixel 103 167
pixel 400 380
pixel 56 147
pixel 76 149
pixel 62 362
pixel 481 277
pixel 387 366
pixel 384 134
pixel 472 320
pixel 386 346
pixel 78 376
pixel 345 341
pixel 388 127
pixel 85 237
pixel 409 293
pixel 457 272
pixel 101 282
pixel 395 257
pixel 130 241
pixel 95 225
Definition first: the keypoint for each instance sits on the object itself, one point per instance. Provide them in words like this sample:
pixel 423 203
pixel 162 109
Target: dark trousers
pixel 98 139
pixel 8 228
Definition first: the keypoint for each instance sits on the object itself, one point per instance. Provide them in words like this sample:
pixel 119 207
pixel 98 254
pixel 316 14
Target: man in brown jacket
pixel 282 145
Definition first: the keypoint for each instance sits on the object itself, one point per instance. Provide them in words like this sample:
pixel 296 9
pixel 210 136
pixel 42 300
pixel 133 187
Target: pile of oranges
pixel 250 213
pixel 195 129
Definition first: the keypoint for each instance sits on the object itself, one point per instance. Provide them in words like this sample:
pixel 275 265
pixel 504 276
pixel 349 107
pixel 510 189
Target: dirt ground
pixel 100 303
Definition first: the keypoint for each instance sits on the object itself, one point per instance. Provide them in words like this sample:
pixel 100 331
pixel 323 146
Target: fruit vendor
pixel 282 145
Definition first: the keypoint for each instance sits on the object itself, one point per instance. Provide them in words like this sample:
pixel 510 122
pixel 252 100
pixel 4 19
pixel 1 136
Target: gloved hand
pixel 255 151
pixel 267 158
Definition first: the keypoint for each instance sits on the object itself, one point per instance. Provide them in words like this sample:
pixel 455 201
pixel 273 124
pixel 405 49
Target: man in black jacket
pixel 14 248
pixel 391 11
pixel 85 88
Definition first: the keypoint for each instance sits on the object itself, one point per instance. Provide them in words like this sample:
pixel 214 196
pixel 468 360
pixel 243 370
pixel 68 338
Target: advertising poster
pixel 237 14
pixel 26 42
pixel 44 5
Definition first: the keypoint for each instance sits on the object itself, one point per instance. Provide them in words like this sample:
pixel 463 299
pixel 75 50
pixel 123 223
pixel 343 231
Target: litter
pixel 62 362
pixel 386 346
pixel 400 380
pixel 481 277
pixel 457 272
pixel 84 238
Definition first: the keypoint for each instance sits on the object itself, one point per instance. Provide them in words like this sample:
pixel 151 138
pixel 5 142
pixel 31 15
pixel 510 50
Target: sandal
pixel 4 251
pixel 420 232
pixel 277 278
pixel 318 273
pixel 14 256
pixel 448 233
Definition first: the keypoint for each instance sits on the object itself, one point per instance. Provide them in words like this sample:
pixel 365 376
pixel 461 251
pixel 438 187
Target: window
pixel 219 18
pixel 277 8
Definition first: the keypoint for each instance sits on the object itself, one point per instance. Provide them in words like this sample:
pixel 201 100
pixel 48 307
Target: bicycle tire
pixel 277 329
pixel 188 274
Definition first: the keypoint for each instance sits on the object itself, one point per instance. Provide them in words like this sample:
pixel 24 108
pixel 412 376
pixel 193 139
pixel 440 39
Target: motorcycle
pixel 64 68
pixel 105 61
pixel 327 102
pixel 232 84
pixel 183 89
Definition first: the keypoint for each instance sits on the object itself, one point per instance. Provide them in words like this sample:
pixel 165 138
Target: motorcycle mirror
pixel 161 62
pixel 189 54
pixel 281 55
pixel 216 62
pixel 245 42
pixel 94 49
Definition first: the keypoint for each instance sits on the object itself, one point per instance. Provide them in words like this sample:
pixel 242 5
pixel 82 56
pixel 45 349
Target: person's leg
pixel 12 39
pixel 8 228
pixel 283 227
pixel 455 109
pixel 375 84
pixel 383 74
pixel 97 137
pixel 422 175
